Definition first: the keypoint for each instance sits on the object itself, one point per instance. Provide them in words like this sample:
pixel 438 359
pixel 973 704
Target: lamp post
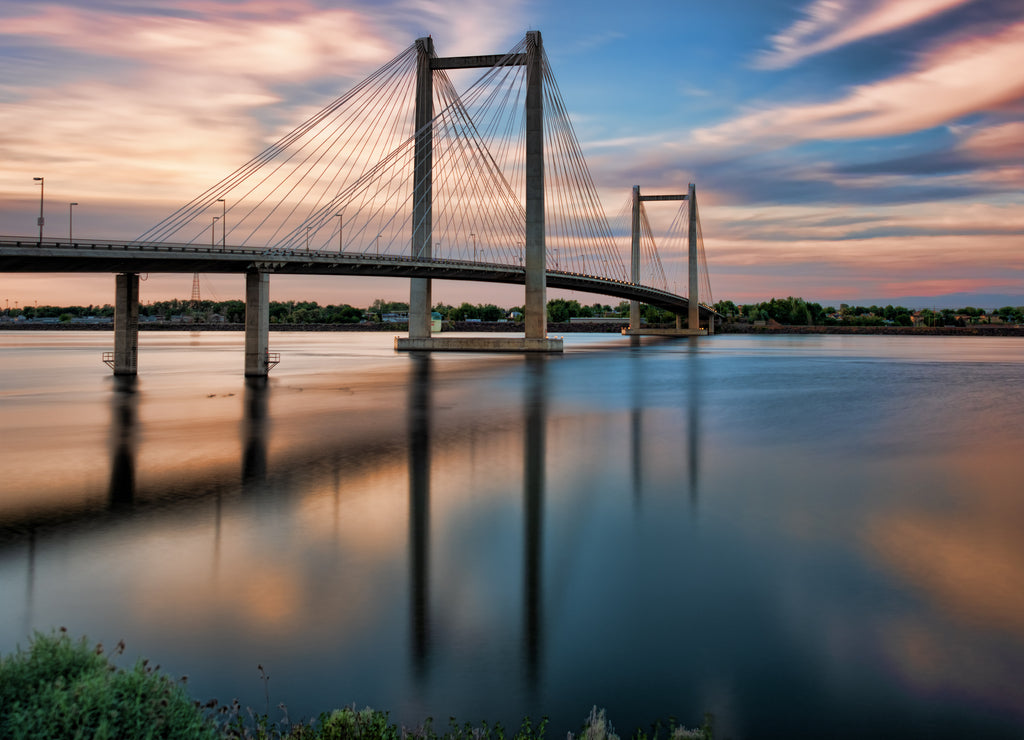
pixel 223 223
pixel 213 232
pixel 378 244
pixel 473 237
pixel 71 222
pixel 341 224
pixel 42 185
pixel 307 237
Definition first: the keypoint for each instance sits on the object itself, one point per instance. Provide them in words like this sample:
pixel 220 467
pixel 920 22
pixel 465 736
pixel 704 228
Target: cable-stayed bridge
pixel 403 176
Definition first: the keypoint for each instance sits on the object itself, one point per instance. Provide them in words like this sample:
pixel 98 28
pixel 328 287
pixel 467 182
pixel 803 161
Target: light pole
pixel 341 224
pixel 473 237
pixel 378 244
pixel 307 237
pixel 71 221
pixel 213 232
pixel 223 222
pixel 42 185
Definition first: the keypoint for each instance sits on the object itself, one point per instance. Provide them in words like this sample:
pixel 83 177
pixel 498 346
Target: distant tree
pixel 490 312
pixel 726 308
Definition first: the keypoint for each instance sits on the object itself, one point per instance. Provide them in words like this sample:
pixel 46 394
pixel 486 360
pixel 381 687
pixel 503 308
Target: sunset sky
pixel 843 150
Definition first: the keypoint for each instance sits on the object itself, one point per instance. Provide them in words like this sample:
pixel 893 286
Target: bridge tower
pixel 693 307
pixel 535 268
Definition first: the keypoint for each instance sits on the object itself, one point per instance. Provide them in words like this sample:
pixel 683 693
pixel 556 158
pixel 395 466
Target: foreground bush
pixel 63 689
pixel 59 689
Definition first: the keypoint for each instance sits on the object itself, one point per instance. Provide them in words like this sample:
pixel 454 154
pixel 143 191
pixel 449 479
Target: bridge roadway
pixel 128 260
pixel 25 254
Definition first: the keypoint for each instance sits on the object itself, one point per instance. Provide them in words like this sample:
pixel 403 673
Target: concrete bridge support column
pixel 422 189
pixel 693 318
pixel 535 310
pixel 634 263
pixel 126 324
pixel 257 324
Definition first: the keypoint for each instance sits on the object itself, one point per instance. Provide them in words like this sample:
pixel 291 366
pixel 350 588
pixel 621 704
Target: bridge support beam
pixel 257 324
pixel 126 324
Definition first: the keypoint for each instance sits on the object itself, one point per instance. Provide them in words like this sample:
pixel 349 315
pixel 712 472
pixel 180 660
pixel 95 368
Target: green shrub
pixel 63 689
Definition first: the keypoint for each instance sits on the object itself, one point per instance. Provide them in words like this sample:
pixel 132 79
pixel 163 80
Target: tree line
pixel 798 312
pixel 788 311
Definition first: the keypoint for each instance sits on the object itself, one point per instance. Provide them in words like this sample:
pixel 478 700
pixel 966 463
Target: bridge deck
pixel 29 255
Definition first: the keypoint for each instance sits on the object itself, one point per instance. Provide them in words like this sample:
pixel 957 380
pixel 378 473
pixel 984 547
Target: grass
pixel 61 689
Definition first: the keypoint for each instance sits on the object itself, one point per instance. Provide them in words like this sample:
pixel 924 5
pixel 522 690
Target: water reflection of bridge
pixel 260 477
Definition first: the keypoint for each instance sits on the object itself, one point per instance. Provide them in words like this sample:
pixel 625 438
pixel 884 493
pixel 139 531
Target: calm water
pixel 821 536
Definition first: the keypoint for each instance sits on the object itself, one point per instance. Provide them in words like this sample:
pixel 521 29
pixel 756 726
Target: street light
pixel 42 185
pixel 223 222
pixel 378 244
pixel 473 237
pixel 307 237
pixel 341 223
pixel 71 221
pixel 213 232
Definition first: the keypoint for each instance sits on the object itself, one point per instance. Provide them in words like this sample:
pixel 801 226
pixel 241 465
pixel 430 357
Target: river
pixel 813 536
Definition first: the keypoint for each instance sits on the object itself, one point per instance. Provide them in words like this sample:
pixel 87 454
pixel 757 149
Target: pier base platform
pixel 664 332
pixel 477 344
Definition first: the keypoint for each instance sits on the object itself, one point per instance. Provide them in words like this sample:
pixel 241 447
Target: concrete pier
pixel 126 324
pixel 257 324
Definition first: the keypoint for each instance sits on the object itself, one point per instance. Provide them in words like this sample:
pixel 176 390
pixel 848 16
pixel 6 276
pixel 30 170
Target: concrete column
pixel 126 324
pixel 422 189
pixel 536 319
pixel 257 323
pixel 693 317
pixel 634 265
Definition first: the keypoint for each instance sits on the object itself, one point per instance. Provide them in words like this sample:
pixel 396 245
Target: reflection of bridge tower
pixel 535 308
pixel 535 449
pixel 419 514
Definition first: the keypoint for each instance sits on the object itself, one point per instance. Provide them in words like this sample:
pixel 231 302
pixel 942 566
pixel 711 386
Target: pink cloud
pixel 830 24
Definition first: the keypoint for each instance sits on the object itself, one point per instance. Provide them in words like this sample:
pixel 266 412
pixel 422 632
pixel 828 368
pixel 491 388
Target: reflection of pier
pixel 123 435
pixel 254 433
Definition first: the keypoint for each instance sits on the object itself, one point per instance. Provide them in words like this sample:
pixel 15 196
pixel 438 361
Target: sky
pixel 843 150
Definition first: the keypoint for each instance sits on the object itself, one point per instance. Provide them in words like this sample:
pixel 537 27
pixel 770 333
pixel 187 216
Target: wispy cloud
pixel 943 87
pixel 829 24
pixel 188 88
